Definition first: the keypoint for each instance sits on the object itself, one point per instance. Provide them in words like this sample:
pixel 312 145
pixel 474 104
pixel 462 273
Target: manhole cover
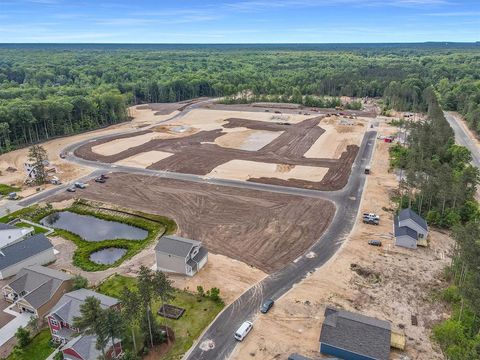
pixel 207 345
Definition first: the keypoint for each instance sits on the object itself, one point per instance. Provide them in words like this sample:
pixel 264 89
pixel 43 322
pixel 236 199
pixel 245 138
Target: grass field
pixel 7 189
pixel 38 229
pixel 199 313
pixel 39 348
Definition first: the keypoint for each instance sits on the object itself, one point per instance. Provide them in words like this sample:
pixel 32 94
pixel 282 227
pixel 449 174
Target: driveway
pixel 19 320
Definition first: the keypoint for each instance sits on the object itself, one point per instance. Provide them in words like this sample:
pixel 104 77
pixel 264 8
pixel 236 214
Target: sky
pixel 238 21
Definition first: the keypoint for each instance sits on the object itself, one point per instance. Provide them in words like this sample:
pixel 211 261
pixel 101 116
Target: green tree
pixel 79 282
pixel 37 156
pixel 23 337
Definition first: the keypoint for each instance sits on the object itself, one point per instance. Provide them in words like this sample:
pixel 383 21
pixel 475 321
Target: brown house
pixel 36 289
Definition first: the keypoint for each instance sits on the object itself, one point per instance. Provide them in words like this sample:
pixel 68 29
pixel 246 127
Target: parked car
pixel 63 155
pixel 371 216
pixel 80 185
pixel 243 330
pixel 370 221
pixel 100 180
pixel 71 189
pixel 375 242
pixel 104 176
pixel 266 306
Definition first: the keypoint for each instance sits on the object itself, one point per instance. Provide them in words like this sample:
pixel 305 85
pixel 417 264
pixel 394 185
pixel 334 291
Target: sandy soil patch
pixel 335 140
pixel 251 140
pixel 244 170
pixel 145 159
pixel 117 146
pixel 406 278
pixel 231 276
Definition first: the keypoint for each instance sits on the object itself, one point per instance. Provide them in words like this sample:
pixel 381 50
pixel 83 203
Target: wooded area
pixel 53 90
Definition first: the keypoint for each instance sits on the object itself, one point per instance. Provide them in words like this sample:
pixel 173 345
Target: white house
pixel 409 229
pixel 179 255
pixel 10 234
pixel 32 250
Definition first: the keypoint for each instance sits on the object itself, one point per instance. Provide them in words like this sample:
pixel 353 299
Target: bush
pixel 79 282
pixel 23 337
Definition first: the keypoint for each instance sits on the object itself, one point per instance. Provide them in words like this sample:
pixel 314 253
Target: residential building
pixel 31 250
pixel 84 347
pixel 36 289
pixel 10 234
pixel 410 229
pixel 62 315
pixel 351 336
pixel 179 255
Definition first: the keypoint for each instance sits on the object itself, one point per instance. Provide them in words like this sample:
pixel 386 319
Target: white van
pixel 243 330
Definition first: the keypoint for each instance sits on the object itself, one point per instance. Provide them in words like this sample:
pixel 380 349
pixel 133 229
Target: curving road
pixel 219 335
pixel 463 138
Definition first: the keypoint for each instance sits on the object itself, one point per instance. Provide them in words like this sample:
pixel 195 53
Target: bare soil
pixel 388 283
pixel 238 223
pixel 199 154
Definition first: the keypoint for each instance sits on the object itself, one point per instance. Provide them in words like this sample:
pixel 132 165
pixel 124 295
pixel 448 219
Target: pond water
pixel 107 256
pixel 91 228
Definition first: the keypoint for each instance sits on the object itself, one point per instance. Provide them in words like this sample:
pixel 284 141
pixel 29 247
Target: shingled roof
pixel 406 214
pixel 403 230
pixel 356 333
pixel 24 249
pixel 176 245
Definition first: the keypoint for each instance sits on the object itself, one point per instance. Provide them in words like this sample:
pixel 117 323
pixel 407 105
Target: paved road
pixel 220 333
pixel 463 138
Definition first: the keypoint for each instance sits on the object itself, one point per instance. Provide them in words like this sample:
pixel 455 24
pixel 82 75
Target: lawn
pixel 7 189
pixel 38 229
pixel 199 313
pixel 39 348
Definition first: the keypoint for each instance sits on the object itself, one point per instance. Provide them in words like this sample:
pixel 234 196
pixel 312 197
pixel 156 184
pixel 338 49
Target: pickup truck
pixel 80 185
pixel 371 221
pixel 371 216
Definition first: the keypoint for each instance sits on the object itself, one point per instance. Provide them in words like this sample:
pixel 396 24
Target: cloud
pixel 456 13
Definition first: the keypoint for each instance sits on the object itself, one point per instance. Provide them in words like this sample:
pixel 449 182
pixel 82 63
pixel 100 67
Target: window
pixel 53 322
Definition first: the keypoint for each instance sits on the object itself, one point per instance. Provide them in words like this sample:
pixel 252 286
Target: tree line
pixel 54 92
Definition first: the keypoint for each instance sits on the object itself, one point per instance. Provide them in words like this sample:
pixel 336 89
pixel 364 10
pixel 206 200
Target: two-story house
pixel 409 229
pixel 180 255
pixel 78 346
pixel 36 289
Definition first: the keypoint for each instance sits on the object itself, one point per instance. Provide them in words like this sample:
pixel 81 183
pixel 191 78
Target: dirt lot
pixel 389 283
pixel 206 152
pixel 238 223
pixel 141 116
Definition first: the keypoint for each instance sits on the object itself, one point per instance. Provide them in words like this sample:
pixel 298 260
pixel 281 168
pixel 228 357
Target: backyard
pixel 39 348
pixel 199 312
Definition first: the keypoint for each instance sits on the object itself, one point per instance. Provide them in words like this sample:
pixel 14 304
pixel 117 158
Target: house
pixel 32 250
pixel 84 348
pixel 35 289
pixel 10 234
pixel 61 317
pixel 351 336
pixel 179 255
pixel 409 229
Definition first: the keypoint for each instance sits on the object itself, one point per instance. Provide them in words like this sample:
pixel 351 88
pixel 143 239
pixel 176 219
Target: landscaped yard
pixel 7 189
pixel 38 229
pixel 155 225
pixel 199 313
pixel 39 348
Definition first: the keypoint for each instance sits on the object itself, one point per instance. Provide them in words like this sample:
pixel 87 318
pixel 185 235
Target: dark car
pixel 103 176
pixel 100 180
pixel 71 189
pixel 370 221
pixel 267 305
pixel 375 242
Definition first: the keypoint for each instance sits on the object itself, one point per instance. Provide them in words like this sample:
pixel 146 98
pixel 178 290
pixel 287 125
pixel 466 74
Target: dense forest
pixel 59 90
pixel 440 183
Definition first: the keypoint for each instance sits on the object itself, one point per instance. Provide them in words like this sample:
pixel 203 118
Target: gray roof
pixel 68 307
pixel 6 227
pixel 356 333
pixel 403 230
pixel 85 346
pixel 297 357
pixel 22 250
pixel 39 283
pixel 202 252
pixel 406 214
pixel 176 245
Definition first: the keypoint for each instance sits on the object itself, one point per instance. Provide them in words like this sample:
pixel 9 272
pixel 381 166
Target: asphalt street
pixel 463 138
pixel 220 333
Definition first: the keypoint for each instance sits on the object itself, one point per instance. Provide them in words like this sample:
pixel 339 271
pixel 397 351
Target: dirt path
pixel 388 283
pixel 262 229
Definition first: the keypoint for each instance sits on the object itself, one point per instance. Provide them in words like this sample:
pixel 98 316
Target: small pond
pixel 91 228
pixel 107 256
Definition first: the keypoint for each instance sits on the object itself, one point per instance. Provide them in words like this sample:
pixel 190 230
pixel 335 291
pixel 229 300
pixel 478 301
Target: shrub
pixel 23 337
